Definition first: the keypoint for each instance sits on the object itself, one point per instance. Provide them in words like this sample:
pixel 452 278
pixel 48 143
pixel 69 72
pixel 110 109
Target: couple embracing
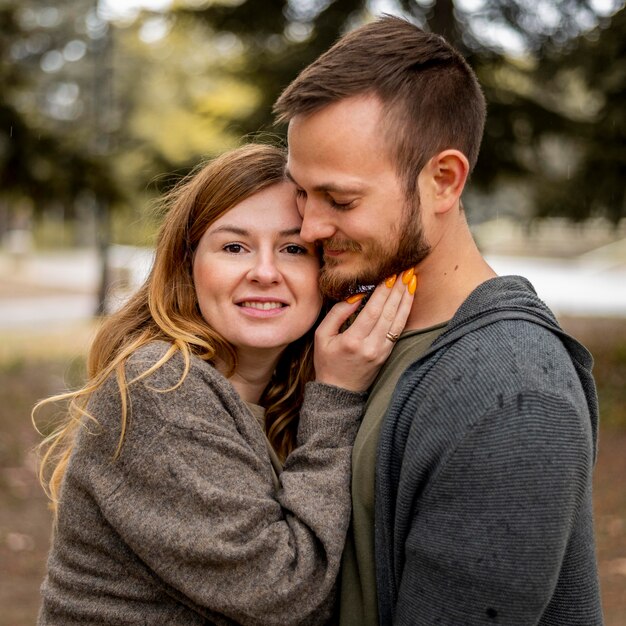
pixel 259 442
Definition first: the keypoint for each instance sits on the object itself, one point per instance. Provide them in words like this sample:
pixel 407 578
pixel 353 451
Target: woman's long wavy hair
pixel 166 308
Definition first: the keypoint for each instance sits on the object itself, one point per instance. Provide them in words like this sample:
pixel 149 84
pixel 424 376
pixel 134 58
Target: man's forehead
pixel 357 117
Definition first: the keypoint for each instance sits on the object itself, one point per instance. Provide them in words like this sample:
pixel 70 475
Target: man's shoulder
pixel 507 356
pixel 496 377
pixel 505 339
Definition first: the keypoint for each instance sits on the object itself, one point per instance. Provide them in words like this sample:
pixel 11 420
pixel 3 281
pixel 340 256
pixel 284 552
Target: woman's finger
pixel 366 320
pixel 337 316
pixel 351 359
pixel 381 309
pixel 396 309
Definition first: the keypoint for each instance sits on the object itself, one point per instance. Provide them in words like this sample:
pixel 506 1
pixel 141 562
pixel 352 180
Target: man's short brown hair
pixel 431 97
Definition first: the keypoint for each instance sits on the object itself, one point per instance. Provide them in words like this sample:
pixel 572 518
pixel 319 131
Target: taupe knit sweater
pixel 186 526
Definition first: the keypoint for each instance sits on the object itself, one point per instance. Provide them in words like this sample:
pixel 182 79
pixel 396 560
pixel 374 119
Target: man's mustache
pixel 340 245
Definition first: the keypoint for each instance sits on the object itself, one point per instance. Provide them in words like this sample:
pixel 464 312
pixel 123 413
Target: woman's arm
pixel 192 496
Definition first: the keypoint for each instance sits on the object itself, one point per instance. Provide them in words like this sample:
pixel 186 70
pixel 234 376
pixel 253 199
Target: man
pixel 472 468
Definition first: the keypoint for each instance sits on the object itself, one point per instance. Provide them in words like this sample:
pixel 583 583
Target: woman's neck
pixel 253 373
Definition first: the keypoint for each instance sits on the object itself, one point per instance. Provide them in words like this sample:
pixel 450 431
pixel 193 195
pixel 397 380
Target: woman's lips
pixel 262 308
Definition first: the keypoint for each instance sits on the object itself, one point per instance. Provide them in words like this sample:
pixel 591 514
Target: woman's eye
pixel 300 193
pixel 295 249
pixel 233 248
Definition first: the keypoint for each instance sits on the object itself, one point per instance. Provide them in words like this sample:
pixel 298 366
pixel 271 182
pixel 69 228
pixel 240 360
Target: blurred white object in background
pixel 61 287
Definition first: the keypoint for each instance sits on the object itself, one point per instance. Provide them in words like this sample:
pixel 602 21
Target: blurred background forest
pixel 105 104
pixel 98 101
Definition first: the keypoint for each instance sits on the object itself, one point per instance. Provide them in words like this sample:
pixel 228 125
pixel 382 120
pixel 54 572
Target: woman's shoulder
pixel 160 371
pixel 163 383
pixel 163 364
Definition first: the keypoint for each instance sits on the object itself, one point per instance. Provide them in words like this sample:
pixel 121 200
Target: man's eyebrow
pixel 329 187
pixel 242 232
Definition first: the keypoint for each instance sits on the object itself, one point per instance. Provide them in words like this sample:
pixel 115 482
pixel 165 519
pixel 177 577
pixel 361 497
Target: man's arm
pixel 491 529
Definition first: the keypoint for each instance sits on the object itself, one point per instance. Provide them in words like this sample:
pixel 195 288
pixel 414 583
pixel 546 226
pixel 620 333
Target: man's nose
pixel 316 225
pixel 264 269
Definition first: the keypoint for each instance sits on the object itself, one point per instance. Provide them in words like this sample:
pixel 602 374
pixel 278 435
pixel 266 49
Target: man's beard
pixel 380 261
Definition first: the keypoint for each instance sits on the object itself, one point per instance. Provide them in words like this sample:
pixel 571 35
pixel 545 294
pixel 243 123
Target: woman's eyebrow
pixel 236 230
pixel 242 232
pixel 290 232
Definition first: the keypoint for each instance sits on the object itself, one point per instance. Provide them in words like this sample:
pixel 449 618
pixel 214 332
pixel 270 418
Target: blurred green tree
pixel 180 97
pixel 58 116
pixel 506 41
pixel 189 82
pixel 47 155
pixel 587 178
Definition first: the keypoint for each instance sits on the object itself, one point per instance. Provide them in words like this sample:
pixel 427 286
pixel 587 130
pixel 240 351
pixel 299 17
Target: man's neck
pixel 452 270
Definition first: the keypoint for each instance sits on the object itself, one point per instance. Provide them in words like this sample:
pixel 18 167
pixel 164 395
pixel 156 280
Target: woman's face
pixel 255 279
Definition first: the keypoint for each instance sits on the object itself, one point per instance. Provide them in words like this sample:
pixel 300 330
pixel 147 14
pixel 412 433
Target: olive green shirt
pixel 357 582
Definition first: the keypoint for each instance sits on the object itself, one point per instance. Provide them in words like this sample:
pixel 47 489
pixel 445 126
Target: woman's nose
pixel 265 269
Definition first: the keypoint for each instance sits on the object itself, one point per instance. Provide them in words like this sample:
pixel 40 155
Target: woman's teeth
pixel 264 306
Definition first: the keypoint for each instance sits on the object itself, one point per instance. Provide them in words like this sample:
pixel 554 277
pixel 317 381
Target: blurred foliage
pixel 178 94
pixel 92 113
pixel 506 41
pixel 39 162
pixel 591 68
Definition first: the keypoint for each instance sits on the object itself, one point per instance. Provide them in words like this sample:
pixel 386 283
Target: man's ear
pixel 443 179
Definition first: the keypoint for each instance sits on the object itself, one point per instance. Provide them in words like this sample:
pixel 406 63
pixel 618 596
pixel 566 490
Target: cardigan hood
pixel 514 298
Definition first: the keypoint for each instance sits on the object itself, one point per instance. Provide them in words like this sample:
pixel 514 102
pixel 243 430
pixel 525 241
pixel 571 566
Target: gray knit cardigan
pixel 484 473
pixel 186 526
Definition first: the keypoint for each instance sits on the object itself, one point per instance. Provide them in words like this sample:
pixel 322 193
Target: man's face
pixel 350 197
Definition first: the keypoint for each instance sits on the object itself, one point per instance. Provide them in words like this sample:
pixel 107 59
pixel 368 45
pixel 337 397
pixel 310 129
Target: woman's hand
pixel 351 359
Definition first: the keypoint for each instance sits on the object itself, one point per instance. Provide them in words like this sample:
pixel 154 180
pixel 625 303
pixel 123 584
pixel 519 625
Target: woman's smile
pixel 262 307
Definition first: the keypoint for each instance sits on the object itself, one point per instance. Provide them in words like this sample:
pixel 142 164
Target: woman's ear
pixel 443 179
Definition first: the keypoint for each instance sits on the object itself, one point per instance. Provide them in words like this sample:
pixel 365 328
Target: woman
pixel 196 480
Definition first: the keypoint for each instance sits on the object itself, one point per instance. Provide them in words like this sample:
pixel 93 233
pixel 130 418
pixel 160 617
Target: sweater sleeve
pixel 193 497
pixel 491 524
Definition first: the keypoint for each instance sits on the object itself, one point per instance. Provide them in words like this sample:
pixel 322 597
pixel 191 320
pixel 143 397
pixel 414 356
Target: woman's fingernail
pixel 391 281
pixel 412 286
pixel 355 297
pixel 407 275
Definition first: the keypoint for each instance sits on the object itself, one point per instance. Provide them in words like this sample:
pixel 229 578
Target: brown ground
pixel 32 367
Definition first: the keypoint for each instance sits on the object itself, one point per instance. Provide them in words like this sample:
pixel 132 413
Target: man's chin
pixel 337 285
